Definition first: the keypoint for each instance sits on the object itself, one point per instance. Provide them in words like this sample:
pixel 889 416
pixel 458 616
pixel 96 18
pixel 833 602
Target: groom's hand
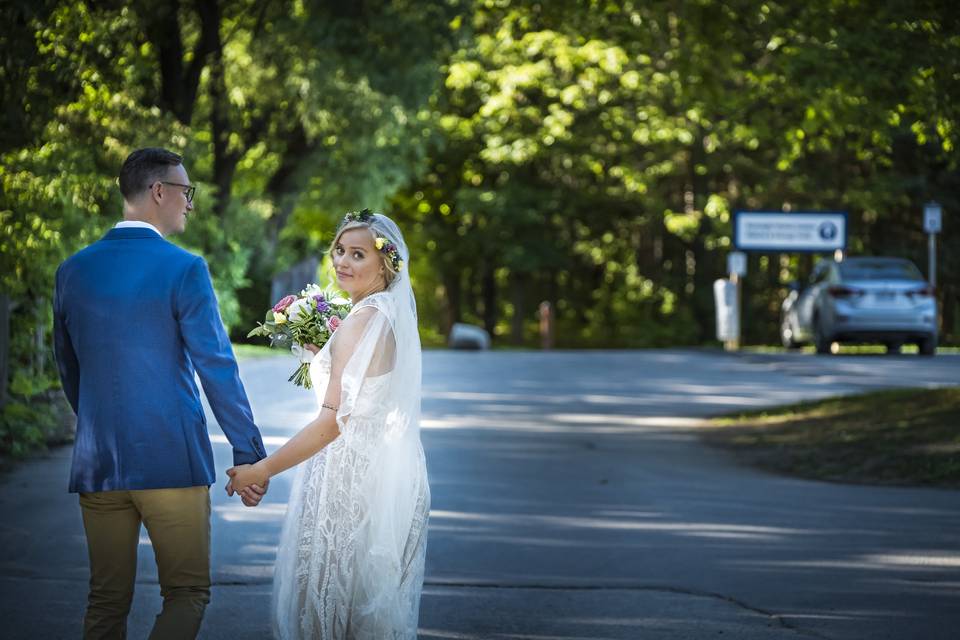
pixel 252 495
pixel 246 480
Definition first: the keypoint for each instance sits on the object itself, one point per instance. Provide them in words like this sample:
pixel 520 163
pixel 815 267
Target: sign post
pixel 932 224
pixel 737 268
pixel 725 296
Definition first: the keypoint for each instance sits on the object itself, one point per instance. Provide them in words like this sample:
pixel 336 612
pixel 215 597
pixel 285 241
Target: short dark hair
pixel 143 167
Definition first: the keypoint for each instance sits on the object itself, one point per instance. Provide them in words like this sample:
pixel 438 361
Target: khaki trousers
pixel 178 523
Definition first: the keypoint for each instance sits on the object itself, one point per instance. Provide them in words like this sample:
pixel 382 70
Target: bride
pixel 350 563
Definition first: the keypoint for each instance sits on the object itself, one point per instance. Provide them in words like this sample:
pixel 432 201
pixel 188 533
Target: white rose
pixel 298 308
pixel 312 290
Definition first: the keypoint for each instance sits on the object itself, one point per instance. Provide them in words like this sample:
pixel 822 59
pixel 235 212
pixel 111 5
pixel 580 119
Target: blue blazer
pixel 134 318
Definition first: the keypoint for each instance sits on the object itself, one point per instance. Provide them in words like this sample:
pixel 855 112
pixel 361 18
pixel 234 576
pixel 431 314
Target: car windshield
pixel 879 270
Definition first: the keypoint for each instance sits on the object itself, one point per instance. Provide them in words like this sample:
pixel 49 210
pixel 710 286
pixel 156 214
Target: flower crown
pixel 364 215
pixel 383 245
pixel 390 250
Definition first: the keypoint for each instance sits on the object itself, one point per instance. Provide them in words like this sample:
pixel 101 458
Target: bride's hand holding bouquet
pixel 303 323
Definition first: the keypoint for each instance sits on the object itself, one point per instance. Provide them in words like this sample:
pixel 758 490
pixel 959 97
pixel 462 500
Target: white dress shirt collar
pixel 126 224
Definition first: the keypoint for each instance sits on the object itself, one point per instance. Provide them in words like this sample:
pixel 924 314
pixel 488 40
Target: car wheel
pixel 820 341
pixel 928 346
pixel 786 335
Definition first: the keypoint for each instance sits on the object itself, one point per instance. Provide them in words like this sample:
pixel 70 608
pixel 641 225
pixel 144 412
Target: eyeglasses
pixel 190 189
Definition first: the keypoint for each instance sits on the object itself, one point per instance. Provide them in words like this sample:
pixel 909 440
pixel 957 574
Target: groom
pixel 134 318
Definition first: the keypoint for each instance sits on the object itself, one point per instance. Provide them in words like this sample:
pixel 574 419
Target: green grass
pixel 901 437
pixel 247 351
pixel 851 349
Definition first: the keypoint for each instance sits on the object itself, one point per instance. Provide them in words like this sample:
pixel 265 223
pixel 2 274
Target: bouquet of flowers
pixel 309 318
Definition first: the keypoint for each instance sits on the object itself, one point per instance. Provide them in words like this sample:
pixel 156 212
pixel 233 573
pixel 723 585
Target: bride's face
pixel 358 264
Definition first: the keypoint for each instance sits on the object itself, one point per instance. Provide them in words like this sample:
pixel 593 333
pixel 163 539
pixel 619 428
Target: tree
pixel 287 113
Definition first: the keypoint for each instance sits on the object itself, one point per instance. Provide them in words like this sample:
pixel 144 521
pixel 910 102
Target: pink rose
pixel 333 323
pixel 285 302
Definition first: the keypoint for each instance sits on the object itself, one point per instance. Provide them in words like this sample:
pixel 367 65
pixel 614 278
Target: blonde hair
pixel 389 273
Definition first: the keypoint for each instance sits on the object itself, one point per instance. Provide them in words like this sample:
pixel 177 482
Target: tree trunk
pixel 695 199
pixel 178 84
pixel 39 338
pixel 518 297
pixel 281 185
pixel 4 346
pixel 224 160
pixel 454 295
pixel 489 298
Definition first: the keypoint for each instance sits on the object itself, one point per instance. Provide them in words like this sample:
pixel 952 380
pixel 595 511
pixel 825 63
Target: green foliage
pixel 589 154
pixel 21 428
pixel 625 135
pixel 31 423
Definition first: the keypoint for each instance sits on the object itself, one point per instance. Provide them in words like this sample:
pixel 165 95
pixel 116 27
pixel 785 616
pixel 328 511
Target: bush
pixel 33 423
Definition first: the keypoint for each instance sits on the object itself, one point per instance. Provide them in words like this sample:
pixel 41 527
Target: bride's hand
pixel 252 495
pixel 312 348
pixel 245 475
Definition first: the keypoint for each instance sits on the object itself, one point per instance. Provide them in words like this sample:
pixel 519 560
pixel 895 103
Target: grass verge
pixel 849 349
pixel 898 437
pixel 247 351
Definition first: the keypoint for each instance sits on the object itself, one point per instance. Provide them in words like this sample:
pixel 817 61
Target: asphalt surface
pixel 571 500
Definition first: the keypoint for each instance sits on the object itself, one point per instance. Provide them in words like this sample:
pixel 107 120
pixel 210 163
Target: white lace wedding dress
pixel 350 563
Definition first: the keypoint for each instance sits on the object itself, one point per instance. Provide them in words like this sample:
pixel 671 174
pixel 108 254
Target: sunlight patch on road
pixel 918 560
pixel 266 549
pixel 239 513
pixel 640 421
pixel 653 397
pixel 871 562
pixel 446 635
pixel 562 423
pixel 701 529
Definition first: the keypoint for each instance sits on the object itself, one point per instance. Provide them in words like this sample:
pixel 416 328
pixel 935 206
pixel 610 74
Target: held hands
pixel 250 481
pixel 252 495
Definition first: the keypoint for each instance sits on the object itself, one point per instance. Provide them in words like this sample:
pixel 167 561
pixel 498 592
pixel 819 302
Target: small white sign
pixel 800 231
pixel 932 217
pixel 728 320
pixel 737 263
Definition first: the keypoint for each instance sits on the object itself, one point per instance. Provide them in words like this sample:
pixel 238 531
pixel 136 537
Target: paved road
pixel 572 500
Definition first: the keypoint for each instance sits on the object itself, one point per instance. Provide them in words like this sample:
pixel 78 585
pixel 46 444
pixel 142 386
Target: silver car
pixel 883 300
